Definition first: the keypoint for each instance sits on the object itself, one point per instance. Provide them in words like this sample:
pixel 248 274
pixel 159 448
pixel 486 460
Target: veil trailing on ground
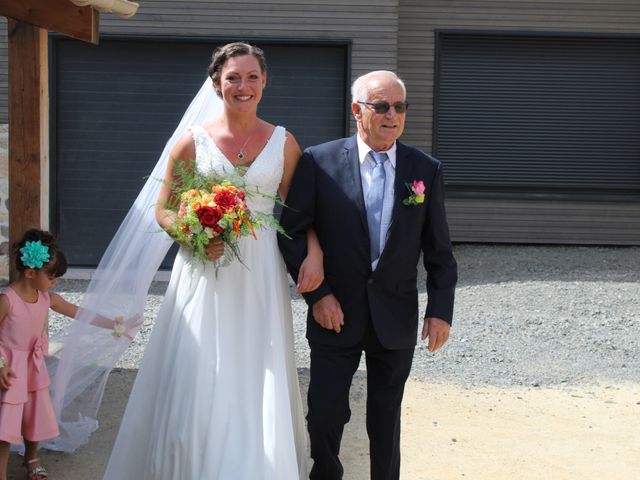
pixel 118 288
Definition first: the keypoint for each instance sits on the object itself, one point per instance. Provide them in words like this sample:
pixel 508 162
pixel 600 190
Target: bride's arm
pixel 183 151
pixel 292 155
pixel 311 272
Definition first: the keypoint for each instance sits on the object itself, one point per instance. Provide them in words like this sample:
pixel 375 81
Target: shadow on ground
pixel 90 460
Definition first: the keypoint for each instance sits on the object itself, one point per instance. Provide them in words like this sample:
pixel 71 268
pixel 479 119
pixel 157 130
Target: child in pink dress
pixel 26 411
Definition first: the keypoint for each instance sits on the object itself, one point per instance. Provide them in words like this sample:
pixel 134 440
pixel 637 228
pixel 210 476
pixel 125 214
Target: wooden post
pixel 28 130
pixel 28 25
pixel 55 15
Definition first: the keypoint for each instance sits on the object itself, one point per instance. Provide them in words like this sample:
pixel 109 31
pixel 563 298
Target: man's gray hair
pixel 360 87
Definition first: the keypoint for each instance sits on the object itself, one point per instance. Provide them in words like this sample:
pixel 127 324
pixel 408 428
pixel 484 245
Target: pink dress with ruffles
pixel 25 407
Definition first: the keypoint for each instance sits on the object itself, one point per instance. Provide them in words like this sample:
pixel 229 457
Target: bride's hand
pixel 311 273
pixel 215 249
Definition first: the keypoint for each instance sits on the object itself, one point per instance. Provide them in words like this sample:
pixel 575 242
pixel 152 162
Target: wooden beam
pixel 60 16
pixel 28 129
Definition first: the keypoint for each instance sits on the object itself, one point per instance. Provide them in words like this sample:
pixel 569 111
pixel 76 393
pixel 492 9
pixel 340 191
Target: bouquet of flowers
pixel 215 207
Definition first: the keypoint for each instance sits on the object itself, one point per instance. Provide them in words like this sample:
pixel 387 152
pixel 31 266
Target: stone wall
pixel 4 204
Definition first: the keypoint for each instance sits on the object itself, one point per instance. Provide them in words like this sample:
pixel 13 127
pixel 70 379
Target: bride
pixel 217 394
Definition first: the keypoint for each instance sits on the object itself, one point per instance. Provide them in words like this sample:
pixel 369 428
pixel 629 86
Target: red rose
pixel 209 217
pixel 226 199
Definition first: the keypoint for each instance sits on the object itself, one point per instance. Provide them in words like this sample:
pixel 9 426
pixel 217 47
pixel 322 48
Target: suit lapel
pixel 403 174
pixel 352 180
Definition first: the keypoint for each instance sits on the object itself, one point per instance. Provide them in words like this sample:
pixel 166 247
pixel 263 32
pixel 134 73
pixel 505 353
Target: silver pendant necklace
pixel 241 153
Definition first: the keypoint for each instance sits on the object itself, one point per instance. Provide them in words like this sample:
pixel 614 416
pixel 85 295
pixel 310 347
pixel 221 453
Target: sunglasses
pixel 383 107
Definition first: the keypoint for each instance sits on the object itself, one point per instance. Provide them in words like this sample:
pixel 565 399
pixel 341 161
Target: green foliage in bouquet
pixel 209 207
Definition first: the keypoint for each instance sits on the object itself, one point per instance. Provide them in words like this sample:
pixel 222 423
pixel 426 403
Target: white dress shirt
pixel 366 170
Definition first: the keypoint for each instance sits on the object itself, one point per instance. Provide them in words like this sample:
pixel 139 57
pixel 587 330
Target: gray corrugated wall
pixel 400 34
pixel 513 220
pixel 371 26
pixel 385 33
pixel 544 221
pixel 419 19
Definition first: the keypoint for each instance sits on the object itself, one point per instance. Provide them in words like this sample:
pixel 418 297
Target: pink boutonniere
pixel 417 190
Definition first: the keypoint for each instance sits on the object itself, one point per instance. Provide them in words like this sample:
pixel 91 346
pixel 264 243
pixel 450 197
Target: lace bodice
pixel 263 175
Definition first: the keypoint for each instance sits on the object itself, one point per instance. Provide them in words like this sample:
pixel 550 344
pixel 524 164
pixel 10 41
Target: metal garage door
pixel 540 137
pixel 115 105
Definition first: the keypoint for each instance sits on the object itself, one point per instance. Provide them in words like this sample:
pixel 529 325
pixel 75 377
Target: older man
pixel 375 204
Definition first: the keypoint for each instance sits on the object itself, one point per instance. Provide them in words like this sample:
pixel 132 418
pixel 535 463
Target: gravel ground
pixel 531 316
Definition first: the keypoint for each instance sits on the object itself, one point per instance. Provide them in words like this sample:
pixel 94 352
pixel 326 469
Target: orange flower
pixel 190 194
pixel 248 222
pixel 208 200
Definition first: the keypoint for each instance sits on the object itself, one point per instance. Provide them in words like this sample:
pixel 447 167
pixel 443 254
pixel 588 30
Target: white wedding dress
pixel 217 395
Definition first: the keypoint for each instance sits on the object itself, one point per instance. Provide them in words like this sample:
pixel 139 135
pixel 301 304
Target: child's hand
pixel 6 374
pixel 123 327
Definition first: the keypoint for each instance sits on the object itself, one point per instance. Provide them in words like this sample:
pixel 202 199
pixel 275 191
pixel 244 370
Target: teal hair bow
pixel 34 254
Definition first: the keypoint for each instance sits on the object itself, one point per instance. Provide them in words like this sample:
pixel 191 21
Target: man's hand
pixel 437 330
pixel 328 313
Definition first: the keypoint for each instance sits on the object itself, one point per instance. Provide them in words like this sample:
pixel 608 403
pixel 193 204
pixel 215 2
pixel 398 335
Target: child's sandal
pixel 37 473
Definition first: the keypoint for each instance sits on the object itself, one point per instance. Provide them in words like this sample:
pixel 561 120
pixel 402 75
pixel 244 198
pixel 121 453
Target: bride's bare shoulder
pixel 266 127
pixel 185 147
pixel 215 128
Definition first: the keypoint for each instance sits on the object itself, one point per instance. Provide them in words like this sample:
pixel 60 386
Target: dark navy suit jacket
pixel 326 193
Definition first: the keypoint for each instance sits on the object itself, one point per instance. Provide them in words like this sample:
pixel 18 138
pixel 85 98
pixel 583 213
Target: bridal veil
pixel 118 287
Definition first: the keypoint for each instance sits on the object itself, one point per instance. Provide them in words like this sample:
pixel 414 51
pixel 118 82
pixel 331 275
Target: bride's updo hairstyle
pixel 236 49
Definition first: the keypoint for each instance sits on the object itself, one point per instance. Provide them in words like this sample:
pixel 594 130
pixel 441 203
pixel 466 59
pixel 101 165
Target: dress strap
pixel 200 138
pixel 280 137
pixel 276 146
pixel 204 144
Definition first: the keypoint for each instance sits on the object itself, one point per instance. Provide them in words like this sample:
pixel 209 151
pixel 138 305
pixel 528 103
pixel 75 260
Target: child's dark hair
pixel 57 264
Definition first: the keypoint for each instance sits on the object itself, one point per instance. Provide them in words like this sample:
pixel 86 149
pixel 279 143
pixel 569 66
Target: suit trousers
pixel 332 370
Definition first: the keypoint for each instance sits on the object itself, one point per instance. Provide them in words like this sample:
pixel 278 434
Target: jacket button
pixel 370 281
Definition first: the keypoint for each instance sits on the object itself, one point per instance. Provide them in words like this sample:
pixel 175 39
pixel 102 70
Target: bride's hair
pixel 225 52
